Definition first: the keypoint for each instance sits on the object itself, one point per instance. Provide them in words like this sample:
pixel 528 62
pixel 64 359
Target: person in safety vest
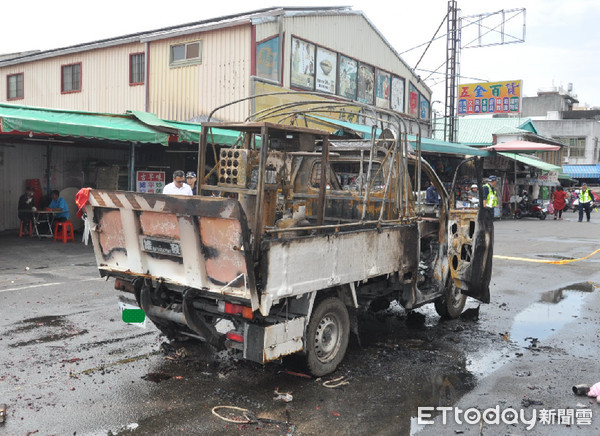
pixel 490 197
pixel 585 202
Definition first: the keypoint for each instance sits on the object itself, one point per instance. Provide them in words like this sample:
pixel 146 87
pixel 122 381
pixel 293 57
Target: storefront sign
pixel 550 177
pixel 490 98
pixel 151 182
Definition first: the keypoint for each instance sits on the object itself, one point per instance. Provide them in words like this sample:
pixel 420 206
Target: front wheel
pixel 451 304
pixel 518 215
pixel 327 336
pixel 542 215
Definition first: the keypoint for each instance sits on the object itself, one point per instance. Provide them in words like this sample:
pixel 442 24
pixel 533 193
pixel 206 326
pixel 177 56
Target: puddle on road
pixel 555 309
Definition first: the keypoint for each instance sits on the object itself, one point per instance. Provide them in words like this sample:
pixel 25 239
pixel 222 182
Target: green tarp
pixel 90 125
pixel 532 162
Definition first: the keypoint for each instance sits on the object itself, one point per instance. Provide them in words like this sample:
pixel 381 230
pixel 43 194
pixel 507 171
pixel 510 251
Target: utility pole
pixel 488 27
pixel 452 64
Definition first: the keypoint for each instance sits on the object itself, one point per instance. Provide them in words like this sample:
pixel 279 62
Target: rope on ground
pixel 554 262
pixel 235 421
pixel 332 383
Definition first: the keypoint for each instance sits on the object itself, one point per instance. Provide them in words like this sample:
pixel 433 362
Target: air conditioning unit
pixel 565 159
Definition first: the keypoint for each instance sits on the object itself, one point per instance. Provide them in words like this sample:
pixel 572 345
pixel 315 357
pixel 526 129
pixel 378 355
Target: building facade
pixel 183 72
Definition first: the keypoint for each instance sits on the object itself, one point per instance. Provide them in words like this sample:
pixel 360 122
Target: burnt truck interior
pixel 295 229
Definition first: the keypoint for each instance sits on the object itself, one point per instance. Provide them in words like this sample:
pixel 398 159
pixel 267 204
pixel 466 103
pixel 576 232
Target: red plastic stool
pixel 24 231
pixel 64 230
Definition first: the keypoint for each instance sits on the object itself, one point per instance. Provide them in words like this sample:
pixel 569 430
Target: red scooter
pixel 526 209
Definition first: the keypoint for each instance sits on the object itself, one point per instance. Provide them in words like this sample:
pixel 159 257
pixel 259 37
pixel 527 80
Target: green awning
pixel 531 161
pixel 25 119
pixel 187 131
pixel 437 146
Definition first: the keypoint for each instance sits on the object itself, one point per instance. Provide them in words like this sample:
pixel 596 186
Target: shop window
pixel 71 78
pixel 14 86
pixel 186 54
pixel 137 71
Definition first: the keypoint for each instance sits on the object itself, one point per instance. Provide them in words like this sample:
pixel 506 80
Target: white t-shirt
pixel 172 189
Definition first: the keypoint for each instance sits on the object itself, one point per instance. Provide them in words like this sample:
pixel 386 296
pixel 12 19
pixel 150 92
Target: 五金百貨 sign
pixel 490 98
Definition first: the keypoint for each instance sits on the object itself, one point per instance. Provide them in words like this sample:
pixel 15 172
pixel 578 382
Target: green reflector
pixel 133 315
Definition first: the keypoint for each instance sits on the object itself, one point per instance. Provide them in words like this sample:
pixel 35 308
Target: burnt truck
pixel 295 231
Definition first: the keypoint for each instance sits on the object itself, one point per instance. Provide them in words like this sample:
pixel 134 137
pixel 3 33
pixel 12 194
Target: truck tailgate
pixel 191 242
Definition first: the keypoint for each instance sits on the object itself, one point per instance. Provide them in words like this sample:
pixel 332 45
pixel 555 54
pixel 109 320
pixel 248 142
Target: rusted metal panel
pixel 190 242
pixel 224 251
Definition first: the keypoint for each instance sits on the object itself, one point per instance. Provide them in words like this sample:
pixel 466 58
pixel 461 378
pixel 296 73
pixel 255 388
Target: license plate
pixel 158 246
pixel 124 306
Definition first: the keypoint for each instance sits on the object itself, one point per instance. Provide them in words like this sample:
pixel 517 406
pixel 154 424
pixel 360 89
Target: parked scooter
pixel 527 209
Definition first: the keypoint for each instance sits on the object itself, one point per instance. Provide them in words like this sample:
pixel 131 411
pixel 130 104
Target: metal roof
pixel 480 131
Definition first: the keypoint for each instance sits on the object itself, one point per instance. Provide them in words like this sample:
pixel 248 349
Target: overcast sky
pixel 561 43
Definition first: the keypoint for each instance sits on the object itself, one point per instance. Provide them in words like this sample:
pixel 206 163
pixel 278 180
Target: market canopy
pixel 517 146
pixel 187 131
pixel 531 161
pixel 427 144
pixel 582 171
pixel 27 120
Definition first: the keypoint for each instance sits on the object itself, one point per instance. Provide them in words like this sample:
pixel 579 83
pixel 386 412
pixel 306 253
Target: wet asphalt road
pixel 69 365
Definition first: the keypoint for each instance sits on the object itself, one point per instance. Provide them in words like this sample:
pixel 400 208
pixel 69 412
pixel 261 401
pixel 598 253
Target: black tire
pixel 452 303
pixel 327 336
pixel 518 215
pixel 542 215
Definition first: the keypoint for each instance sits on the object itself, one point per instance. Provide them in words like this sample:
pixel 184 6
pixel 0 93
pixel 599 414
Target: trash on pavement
pixel 581 389
pixel 2 412
pixel 284 396
pixel 336 382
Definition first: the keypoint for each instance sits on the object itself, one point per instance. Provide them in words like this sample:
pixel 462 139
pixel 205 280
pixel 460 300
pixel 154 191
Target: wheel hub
pixel 327 337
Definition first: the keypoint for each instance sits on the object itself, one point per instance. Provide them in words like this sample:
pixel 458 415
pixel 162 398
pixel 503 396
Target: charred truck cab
pixel 292 234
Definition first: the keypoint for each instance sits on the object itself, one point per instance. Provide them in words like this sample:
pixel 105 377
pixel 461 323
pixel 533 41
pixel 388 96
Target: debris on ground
pixel 2 412
pixel 156 377
pixel 284 396
pixel 297 374
pixel 526 402
pixel 471 314
pixel 238 415
pixel 173 353
pixel 336 382
pixel 581 389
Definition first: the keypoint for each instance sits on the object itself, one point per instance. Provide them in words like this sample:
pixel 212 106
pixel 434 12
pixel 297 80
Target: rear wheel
pixel 518 215
pixel 327 336
pixel 452 303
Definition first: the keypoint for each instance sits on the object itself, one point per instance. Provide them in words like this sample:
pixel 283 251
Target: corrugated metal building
pixel 183 72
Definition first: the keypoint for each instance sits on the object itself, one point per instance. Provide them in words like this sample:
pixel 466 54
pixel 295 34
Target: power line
pixel 431 40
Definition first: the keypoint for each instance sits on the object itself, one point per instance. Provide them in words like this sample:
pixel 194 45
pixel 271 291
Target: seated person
pixel 26 205
pixel 431 194
pixel 473 195
pixel 58 204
